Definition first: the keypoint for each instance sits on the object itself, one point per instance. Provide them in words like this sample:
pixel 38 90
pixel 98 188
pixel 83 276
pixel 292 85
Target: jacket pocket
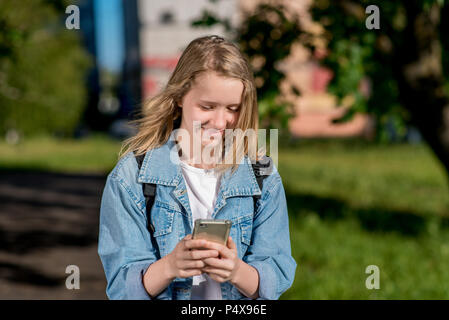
pixel 162 216
pixel 244 225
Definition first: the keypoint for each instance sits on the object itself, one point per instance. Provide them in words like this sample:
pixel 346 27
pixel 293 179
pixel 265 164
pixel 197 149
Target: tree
pixel 406 61
pixel 42 69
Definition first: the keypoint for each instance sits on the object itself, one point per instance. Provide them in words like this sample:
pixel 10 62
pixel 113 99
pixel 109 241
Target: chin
pixel 210 142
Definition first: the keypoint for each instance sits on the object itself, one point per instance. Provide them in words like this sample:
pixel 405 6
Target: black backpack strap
pixel 149 192
pixel 262 169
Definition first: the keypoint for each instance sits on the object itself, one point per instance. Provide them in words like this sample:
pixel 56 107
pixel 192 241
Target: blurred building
pixel 131 87
pixel 165 30
pixel 87 21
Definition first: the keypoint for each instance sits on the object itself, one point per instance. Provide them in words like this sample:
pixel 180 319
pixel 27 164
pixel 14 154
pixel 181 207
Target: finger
pixel 196 244
pixel 223 250
pixel 187 237
pixel 193 264
pixel 217 272
pixel 199 254
pixel 231 244
pixel 218 263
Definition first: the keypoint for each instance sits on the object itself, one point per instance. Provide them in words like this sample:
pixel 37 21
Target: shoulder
pixel 272 182
pixel 125 169
pixel 266 168
pixel 123 179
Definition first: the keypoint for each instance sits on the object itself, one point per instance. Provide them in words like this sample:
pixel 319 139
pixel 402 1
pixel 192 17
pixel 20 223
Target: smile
pixel 213 131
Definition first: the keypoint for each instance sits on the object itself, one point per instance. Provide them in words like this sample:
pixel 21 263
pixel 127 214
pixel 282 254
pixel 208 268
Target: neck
pixel 195 160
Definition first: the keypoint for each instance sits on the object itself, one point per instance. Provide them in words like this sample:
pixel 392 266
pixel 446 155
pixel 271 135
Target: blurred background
pixel 360 97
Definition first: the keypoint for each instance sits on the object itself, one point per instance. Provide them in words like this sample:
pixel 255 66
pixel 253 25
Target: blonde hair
pixel 157 115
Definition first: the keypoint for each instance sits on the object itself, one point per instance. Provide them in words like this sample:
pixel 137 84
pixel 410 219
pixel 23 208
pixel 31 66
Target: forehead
pixel 209 86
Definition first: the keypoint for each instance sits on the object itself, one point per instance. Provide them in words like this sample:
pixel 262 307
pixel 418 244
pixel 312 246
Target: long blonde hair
pixel 157 115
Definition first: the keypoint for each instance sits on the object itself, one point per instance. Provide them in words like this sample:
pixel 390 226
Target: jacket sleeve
pixel 270 249
pixel 124 244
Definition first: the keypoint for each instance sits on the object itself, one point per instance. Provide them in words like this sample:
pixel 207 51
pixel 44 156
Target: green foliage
pixel 357 54
pixel 269 35
pixel 265 36
pixel 444 20
pixel 358 57
pixel 42 69
pixel 272 113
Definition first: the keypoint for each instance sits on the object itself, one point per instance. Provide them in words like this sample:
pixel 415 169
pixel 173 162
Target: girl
pixel 210 94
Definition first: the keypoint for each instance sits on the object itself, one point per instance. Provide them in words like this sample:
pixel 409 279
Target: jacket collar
pixel 161 166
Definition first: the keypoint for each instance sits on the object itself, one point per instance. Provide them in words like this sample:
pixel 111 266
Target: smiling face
pixel 214 101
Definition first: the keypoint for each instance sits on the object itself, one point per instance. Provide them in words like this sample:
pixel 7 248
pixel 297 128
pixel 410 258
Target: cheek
pixel 233 118
pixel 193 114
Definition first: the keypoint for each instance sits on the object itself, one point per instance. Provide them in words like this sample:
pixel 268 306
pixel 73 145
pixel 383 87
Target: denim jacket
pixel 125 246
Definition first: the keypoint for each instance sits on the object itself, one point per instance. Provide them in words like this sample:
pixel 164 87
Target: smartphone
pixel 212 229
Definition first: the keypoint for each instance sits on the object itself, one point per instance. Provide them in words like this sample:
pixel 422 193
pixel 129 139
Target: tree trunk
pixel 419 73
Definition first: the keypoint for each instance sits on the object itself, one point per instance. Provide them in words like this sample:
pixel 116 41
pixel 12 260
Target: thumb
pixel 188 237
pixel 231 244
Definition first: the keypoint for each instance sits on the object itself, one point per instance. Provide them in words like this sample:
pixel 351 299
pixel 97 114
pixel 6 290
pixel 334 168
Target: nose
pixel 219 120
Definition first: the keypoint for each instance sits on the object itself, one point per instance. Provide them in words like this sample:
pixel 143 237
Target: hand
pixel 185 261
pixel 225 267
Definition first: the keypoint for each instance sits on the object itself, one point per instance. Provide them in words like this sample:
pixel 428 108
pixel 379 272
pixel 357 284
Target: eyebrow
pixel 214 103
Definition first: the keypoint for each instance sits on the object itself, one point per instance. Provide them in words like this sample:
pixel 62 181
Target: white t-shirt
pixel 202 190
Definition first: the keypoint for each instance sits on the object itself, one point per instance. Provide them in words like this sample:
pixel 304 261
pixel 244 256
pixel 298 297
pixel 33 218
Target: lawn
pixel 351 205
pixel 96 154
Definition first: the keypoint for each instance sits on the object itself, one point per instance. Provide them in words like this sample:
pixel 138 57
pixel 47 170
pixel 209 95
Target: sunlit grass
pixel 401 177
pixel 95 154
pixel 352 206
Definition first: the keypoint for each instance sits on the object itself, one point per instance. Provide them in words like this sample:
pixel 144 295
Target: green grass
pixel 351 205
pixel 96 154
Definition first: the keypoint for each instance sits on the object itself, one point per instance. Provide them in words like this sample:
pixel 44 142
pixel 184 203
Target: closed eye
pixel 233 108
